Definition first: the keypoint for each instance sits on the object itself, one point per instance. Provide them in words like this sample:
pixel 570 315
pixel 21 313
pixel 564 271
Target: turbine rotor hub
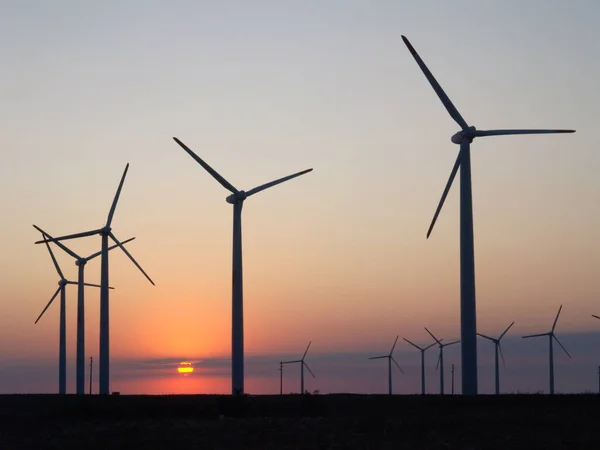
pixel 80 262
pixel 105 231
pixel 236 198
pixel 62 282
pixel 468 134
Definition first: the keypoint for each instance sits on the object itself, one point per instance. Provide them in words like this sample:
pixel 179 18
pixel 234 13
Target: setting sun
pixel 185 367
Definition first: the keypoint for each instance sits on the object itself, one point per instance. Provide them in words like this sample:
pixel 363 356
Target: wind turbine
pixel 422 350
pixel 302 365
pixel 62 344
pixel 551 336
pixel 237 297
pixel 105 232
pixel 468 316
pixel 498 349
pixel 80 262
pixel 440 362
pixel 390 358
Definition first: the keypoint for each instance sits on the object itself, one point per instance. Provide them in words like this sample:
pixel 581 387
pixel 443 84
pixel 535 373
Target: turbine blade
pixel 393 346
pixel 48 305
pixel 436 87
pixel 226 184
pixel 594 315
pixel 379 357
pixel 561 346
pixel 415 345
pixel 397 365
pixel 450 343
pixel 70 236
pixel 56 266
pixel 429 346
pixel 431 334
pixel 556 319
pixel 508 328
pixel 484 336
pixel 482 133
pixel 501 354
pixel 438 361
pixel 60 244
pixel 109 249
pixel 445 193
pixel 116 199
pixel 308 368
pixel 131 257
pixel 306 351
pixel 535 335
pixel 262 187
pixel 88 284
pixel 290 362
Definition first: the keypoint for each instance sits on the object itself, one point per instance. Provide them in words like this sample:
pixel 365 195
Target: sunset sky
pixel 338 257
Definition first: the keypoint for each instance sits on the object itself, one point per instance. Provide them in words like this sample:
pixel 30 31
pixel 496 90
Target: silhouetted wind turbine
pixel 390 358
pixel 302 365
pixel 422 350
pixel 62 344
pixel 551 336
pixel 468 317
pixel 440 362
pixel 237 308
pixel 498 349
pixel 80 262
pixel 105 232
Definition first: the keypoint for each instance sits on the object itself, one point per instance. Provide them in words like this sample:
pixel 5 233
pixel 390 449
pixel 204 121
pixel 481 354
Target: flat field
pixel 339 421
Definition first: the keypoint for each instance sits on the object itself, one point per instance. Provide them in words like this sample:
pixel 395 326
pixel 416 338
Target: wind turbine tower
pixel 237 199
pixel 467 253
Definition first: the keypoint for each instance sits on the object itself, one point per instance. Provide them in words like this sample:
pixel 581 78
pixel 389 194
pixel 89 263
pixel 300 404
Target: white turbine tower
pixel 551 336
pixel 80 262
pixel 62 343
pixel 440 362
pixel 468 317
pixel 105 232
pixel 302 365
pixel 422 350
pixel 498 349
pixel 390 358
pixel 237 297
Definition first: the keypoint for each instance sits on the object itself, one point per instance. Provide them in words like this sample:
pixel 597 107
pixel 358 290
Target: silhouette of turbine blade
pixel 438 361
pixel 556 319
pixel 431 334
pixel 226 184
pixel 56 266
pixel 414 345
pixel 70 236
pixel 505 331
pixel 116 199
pixel 49 303
pixel 109 249
pixel 436 87
pixel 262 187
pixel 482 133
pixel 445 193
pixel 379 357
pixel 306 351
pixel 501 354
pixel 428 347
pixel 535 335
pixel 484 336
pixel 290 362
pixel 561 346
pixel 397 365
pixel 112 236
pixel 451 343
pixel 394 346
pixel 308 368
pixel 594 315
pixel 60 244
pixel 87 284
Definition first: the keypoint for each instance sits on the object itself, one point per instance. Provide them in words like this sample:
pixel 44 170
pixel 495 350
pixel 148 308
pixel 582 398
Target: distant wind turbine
pixel 551 336
pixel 464 138
pixel 80 262
pixel 498 349
pixel 422 350
pixel 390 358
pixel 302 365
pixel 237 308
pixel 105 232
pixel 62 344
pixel 440 362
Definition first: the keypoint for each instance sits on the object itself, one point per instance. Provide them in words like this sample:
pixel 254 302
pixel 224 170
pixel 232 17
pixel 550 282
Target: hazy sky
pixel 266 88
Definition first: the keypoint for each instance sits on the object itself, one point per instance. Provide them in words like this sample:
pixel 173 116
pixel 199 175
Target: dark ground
pixel 296 422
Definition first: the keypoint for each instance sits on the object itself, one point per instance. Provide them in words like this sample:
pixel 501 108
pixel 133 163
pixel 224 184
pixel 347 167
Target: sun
pixel 185 368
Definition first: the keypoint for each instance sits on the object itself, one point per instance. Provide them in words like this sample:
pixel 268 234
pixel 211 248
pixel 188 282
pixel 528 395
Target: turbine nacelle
pixel 468 133
pixel 105 231
pixel 239 197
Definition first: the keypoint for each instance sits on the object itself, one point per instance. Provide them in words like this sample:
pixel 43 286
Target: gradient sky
pixel 266 88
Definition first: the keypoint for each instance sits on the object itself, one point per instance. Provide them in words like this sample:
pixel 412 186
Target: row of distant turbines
pixel 440 361
pixel 468 336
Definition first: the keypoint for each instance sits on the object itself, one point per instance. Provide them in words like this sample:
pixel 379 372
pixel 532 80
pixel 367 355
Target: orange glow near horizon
pixel 185 367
